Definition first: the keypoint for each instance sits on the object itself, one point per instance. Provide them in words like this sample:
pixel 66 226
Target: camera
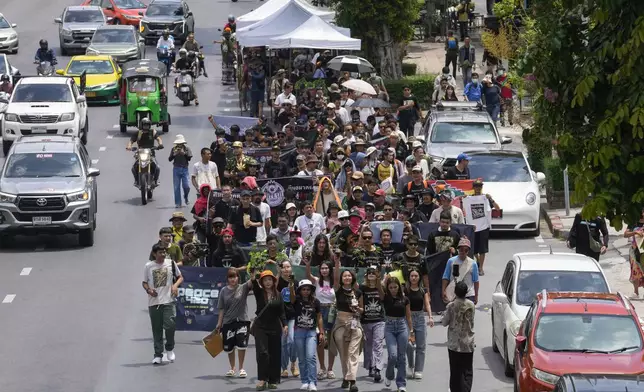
pixel 197 250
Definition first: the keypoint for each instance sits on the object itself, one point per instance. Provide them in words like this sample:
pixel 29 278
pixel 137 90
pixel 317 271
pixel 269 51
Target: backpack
pixel 452 43
pixel 409 184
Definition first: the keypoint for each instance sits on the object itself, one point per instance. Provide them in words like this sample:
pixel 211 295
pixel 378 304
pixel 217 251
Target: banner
pixel 224 122
pixel 275 189
pixel 457 187
pixel 435 265
pixel 396 228
pixel 198 297
pixel 463 230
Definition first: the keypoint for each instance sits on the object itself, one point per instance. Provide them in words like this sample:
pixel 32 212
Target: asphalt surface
pixel 76 319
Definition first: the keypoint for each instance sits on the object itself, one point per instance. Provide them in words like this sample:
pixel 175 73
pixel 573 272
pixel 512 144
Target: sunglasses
pixel 413 244
pixel 388 209
pixel 367 238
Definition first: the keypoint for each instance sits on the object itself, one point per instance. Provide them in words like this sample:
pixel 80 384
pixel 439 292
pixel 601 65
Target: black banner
pixel 435 265
pixel 198 298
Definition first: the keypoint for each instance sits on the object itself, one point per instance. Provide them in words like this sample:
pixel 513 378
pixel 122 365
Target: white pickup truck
pixel 45 105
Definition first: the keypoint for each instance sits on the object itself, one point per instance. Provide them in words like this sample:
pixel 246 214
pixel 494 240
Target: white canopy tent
pixel 315 33
pixel 279 23
pixel 273 6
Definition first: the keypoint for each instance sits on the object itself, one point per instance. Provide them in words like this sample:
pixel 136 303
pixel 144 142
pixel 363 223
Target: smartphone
pixel 292 278
pixel 456 270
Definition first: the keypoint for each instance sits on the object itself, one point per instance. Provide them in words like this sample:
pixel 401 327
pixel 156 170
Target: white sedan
pixel 528 274
pixel 8 36
pixel 507 177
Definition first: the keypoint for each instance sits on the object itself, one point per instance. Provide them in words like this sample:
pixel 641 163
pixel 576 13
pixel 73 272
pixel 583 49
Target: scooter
pixel 44 68
pixel 184 86
pixel 146 175
pixel 164 55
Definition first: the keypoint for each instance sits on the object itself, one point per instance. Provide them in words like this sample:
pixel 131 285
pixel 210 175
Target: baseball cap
pixel 238 144
pixel 246 193
pixel 463 157
pixel 380 192
pixel 417 168
pixel 357 188
pixel 343 214
pixel 290 205
pixel 477 182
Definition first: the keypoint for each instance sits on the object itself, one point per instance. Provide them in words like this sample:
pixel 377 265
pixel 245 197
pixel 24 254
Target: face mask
pixel 446 74
pixel 340 157
pixel 475 81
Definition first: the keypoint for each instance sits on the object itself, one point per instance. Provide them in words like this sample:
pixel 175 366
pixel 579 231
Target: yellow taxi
pixel 102 77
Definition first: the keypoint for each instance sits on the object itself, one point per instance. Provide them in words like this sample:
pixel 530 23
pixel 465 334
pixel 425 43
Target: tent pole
pixel 270 78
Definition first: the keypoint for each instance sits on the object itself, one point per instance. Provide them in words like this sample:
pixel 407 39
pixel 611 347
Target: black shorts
pixel 235 334
pixel 481 240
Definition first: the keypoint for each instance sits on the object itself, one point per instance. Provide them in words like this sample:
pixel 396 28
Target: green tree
pixel 385 28
pixel 586 58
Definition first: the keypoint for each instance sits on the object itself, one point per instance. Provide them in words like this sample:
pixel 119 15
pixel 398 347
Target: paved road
pixel 78 321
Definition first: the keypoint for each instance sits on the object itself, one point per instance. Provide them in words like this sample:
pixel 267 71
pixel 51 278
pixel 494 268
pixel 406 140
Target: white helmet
pixel 183 52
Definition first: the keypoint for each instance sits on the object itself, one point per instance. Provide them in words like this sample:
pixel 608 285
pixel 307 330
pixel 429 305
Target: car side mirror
pixel 520 343
pixel 109 8
pixel 189 13
pixel 14 25
pixel 500 297
pixel 60 72
pixel 541 177
pixel 58 20
pixel 506 140
pixel 93 172
pixel 140 13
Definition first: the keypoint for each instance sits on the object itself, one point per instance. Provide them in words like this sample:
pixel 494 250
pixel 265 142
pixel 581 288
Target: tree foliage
pixel 587 60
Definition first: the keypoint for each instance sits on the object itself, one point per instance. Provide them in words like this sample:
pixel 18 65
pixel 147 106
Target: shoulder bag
pixel 252 323
pixel 595 245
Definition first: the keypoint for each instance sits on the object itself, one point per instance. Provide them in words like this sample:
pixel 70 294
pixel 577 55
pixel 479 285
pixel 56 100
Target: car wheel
pixel 495 348
pixel 507 369
pixel 94 222
pixel 6 145
pixel 86 238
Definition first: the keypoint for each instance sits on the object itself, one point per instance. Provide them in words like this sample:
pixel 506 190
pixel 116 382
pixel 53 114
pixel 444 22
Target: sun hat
pixel 464 242
pixel 179 140
pixel 305 283
pixel 267 273
pixel 343 214
pixel 177 215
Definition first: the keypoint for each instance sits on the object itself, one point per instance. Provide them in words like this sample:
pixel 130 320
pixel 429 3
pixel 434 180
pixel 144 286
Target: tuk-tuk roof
pixel 144 67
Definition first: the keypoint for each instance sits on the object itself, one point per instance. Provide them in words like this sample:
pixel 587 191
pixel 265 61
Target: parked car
pixel 526 275
pixel 588 333
pixel 599 383
pixel 123 43
pixel 77 26
pixel 125 12
pixel 172 15
pixel 9 41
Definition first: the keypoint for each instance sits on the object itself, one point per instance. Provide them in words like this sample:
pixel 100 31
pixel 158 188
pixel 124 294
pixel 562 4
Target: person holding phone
pixel 461 268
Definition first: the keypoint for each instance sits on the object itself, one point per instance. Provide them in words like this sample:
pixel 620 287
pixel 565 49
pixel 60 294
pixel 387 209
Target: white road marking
pixel 110 136
pixel 8 298
pixel 116 126
pixel 543 246
pixel 539 239
pixel 226 109
pixel 25 271
pixel 102 148
pixel 94 161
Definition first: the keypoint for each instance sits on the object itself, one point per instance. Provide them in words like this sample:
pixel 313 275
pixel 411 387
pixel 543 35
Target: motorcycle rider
pixel 168 41
pixel 183 63
pixel 232 24
pixel 5 85
pixel 45 54
pixel 145 138
pixel 191 44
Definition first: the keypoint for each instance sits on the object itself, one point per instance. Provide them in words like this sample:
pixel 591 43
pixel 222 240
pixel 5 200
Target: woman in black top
pixel 583 231
pixel 268 327
pixel 346 336
pixel 228 254
pixel 373 323
pixel 321 251
pixel 418 303
pixel 397 335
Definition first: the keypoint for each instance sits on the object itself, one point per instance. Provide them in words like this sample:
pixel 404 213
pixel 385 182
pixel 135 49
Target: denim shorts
pixel 325 318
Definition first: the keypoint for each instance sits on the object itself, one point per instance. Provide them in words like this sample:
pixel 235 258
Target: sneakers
pixel 165 358
pixel 345 384
pixel 376 376
pixel 156 361
pixel 171 356
pixel 418 375
pixel 402 389
pixel 353 387
pixel 313 387
pixel 387 382
pixel 304 387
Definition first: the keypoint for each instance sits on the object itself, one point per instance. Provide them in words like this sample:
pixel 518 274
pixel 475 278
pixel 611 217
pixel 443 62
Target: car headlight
pixel 67 32
pixel 11 117
pixel 546 377
pixel 7 198
pixel 514 327
pixel 105 86
pixel 13 36
pixel 67 117
pixel 91 51
pixel 531 198
pixel 78 196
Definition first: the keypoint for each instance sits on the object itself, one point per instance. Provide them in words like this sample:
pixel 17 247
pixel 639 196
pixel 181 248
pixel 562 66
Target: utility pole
pixel 430 9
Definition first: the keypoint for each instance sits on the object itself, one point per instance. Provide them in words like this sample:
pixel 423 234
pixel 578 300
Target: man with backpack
pixel 451 53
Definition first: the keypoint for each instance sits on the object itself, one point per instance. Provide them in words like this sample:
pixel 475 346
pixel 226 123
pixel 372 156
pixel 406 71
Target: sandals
pixel 230 373
pixel 272 386
pixel 261 386
pixel 284 373
pixel 321 374
pixel 330 375
pixel 242 373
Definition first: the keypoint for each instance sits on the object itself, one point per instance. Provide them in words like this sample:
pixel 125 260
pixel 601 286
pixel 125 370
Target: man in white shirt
pixel 446 205
pixel 286 96
pixel 265 210
pixel 166 40
pixel 205 171
pixel 345 100
pixel 342 112
pixel 310 224
pixel 311 167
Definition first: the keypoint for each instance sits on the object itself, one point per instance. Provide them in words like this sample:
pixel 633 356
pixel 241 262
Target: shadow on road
pixel 495 365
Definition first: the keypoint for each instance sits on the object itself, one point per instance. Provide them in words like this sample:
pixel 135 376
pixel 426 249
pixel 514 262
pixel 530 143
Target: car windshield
pixel 587 332
pixel 42 93
pixel 129 4
pixel 93 67
pixel 464 133
pixel 161 9
pixel 499 168
pixel 4 24
pixel 141 85
pixel 533 282
pixel 113 36
pixel 38 165
pixel 88 16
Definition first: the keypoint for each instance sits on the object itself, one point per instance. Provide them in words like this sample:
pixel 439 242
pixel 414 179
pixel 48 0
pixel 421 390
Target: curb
pixel 554 224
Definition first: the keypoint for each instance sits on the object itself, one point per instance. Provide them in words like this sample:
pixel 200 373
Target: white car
pixel 526 275
pixel 45 105
pixel 507 177
pixel 8 36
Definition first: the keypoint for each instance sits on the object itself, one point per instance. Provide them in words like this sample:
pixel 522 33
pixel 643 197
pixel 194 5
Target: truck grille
pixel 41 203
pixel 3 39
pixel 29 132
pixel 155 26
pixel 81 35
pixel 38 119
pixel 55 217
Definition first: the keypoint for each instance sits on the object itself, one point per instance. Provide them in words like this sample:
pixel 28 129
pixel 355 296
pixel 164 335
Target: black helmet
pixel 44 44
pixel 146 124
pixel 231 18
pixel 166 33
pixel 4 78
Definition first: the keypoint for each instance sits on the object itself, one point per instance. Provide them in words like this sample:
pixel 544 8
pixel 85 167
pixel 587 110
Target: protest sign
pixel 198 296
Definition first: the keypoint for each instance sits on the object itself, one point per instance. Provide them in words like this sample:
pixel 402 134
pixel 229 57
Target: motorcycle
pixel 194 59
pixel 184 86
pixel 164 55
pixel 44 68
pixel 146 175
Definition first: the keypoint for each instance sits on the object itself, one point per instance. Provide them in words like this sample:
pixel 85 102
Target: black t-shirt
pixel 289 311
pixel 274 169
pixel 389 253
pixel 416 299
pixel 364 258
pixel 343 299
pixel 242 234
pixel 373 309
pixel 454 174
pixel 408 114
pixel 440 241
pixel 306 313
pixel 395 307
pixel 223 208
pixel 273 317
pixel 427 209
pixel 408 263
pixel 146 140
pixel 227 259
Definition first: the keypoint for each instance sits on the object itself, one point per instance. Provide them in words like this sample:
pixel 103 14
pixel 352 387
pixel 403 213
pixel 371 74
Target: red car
pixel 587 333
pixel 127 12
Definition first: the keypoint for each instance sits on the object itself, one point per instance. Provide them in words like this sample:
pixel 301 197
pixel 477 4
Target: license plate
pixel 185 89
pixel 38 129
pixel 41 220
pixel 497 214
pixel 90 94
pixel 158 32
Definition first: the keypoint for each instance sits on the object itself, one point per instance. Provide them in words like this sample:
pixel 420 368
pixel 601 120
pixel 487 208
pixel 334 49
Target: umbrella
pixel 359 85
pixel 370 103
pixel 350 64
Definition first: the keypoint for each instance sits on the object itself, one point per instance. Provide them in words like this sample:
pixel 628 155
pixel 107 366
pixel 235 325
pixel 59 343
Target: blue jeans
pixel 180 180
pixel 416 355
pixel 493 111
pixel 288 348
pixel 306 347
pixel 396 337
pixel 467 75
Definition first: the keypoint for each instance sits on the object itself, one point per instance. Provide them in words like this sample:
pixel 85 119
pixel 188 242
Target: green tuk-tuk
pixel 144 94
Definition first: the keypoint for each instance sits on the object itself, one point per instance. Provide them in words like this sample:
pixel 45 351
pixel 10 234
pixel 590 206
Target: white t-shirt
pixel 456 214
pixel 347 103
pixel 159 277
pixel 344 115
pixel 325 294
pixel 316 172
pixel 282 98
pixel 206 173
pixel 310 227
pixel 265 210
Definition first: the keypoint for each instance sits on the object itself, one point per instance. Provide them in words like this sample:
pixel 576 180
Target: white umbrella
pixel 349 63
pixel 359 85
